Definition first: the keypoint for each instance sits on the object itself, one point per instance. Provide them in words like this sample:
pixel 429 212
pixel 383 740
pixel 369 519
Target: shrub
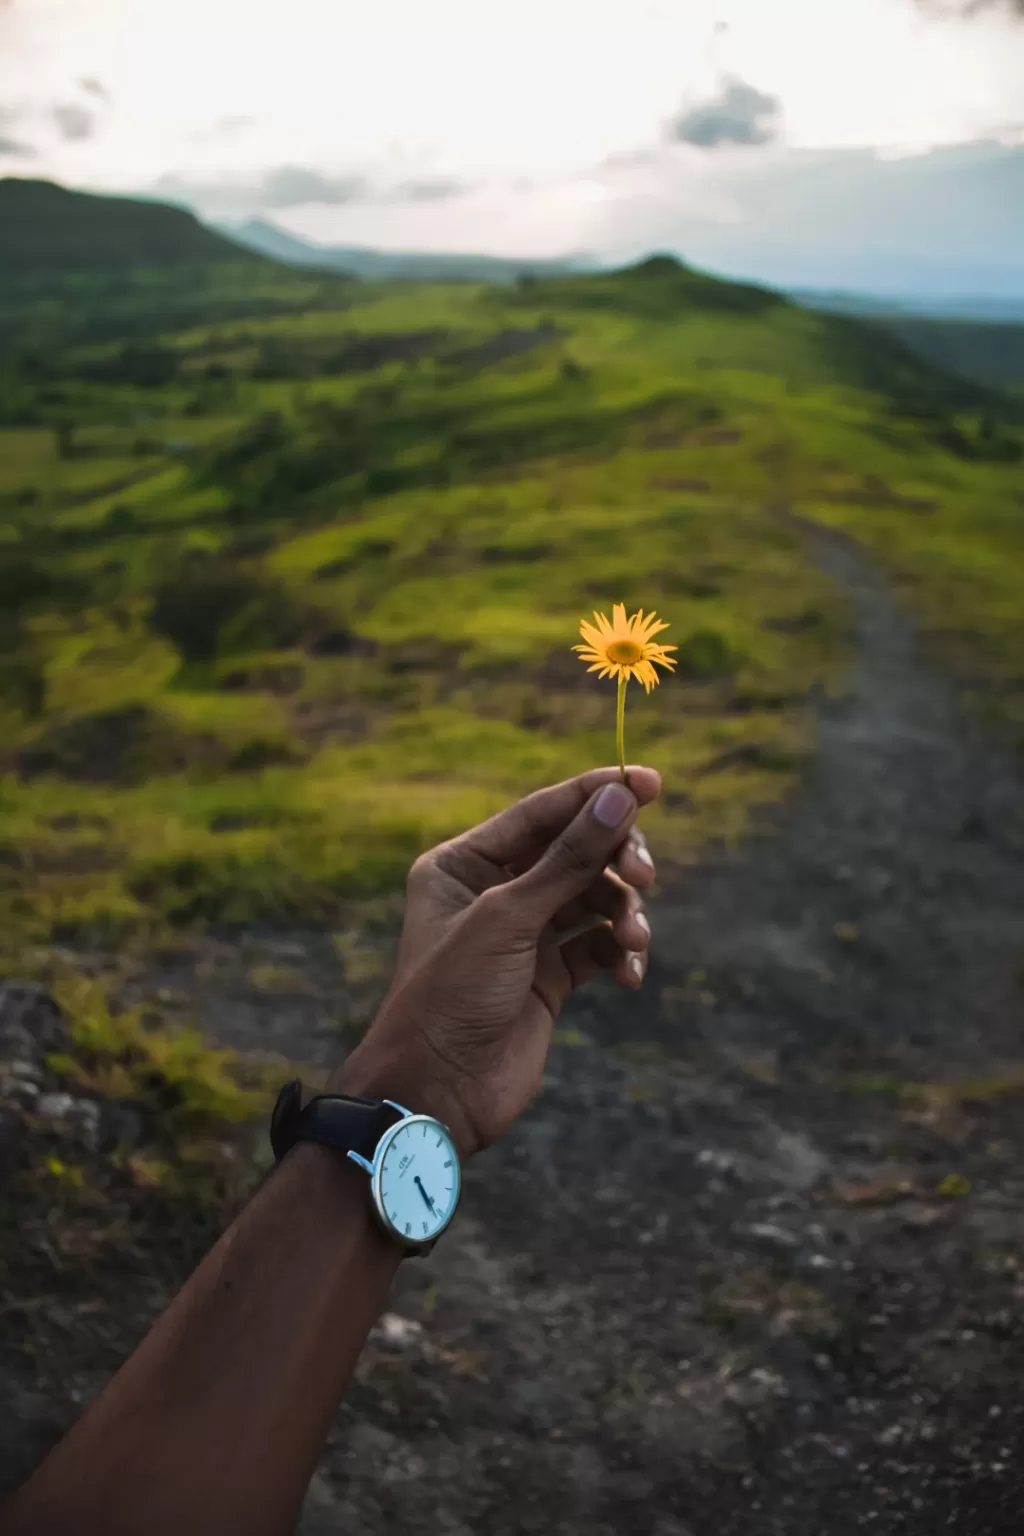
pixel 706 654
pixel 125 746
pixel 211 605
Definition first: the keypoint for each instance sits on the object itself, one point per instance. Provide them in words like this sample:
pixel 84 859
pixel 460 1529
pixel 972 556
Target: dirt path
pixel 709 1284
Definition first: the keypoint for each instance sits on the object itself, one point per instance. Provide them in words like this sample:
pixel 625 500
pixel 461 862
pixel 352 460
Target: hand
pixel 493 947
pixel 445 880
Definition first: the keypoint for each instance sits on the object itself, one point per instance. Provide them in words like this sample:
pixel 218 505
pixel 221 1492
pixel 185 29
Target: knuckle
pixel 494 899
pixel 503 909
pixel 422 871
pixel 569 858
pixel 495 905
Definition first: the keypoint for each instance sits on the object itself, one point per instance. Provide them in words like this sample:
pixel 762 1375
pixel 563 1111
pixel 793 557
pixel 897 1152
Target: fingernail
pixel 642 922
pixel 613 805
pixel 636 965
pixel 644 856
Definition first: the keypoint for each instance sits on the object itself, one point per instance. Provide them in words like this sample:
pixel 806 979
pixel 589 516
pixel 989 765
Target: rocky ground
pixel 753 1262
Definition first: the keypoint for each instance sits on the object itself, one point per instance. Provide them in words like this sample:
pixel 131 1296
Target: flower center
pixel 625 651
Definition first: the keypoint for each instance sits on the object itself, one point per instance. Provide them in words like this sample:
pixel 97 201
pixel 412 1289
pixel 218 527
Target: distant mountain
pixel 978 338
pixel 977 307
pixel 268 239
pixel 45 228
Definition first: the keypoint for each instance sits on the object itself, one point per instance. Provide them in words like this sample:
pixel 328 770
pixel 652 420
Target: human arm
pixel 215 1422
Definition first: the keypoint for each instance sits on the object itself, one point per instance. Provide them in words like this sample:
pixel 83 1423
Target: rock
pixel 26 1070
pixel 79 1116
pixel 778 1237
pixel 31 1023
pixel 397 1332
pixel 121 1125
pixel 19 1082
pixel 795 1161
pixel 55 1106
pixel 866 1142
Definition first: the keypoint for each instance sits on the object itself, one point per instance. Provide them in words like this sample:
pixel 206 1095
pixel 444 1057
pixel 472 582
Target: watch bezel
pixel 408 1241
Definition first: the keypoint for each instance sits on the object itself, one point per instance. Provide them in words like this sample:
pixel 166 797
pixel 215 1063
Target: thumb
pixel 577 856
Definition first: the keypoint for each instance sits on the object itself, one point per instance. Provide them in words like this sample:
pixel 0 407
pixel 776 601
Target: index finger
pixel 520 832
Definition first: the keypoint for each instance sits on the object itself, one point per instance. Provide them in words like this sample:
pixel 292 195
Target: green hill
pixel 47 229
pixel 989 351
pixel 290 565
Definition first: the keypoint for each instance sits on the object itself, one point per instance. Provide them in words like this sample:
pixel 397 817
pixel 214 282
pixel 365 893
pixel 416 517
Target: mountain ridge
pixel 269 239
pixel 49 228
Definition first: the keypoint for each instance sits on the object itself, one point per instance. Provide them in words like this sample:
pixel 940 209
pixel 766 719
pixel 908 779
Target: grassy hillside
pixel 290 567
pixel 48 229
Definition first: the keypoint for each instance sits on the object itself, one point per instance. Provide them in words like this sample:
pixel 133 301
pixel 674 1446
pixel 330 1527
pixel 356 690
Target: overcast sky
pixel 514 126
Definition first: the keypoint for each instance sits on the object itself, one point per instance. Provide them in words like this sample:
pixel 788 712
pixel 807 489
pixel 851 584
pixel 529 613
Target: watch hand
pixel 423 1192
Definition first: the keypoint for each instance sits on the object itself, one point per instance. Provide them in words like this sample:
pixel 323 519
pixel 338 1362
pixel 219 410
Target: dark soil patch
pixel 718 437
pixel 875 492
pixel 514 341
pixel 282 678
pixel 363 353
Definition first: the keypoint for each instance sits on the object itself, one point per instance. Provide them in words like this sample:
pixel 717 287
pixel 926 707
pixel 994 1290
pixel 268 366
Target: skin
pixel 216 1421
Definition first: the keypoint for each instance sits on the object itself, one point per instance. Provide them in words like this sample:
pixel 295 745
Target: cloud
pixel 232 125
pixel 225 128
pixel 296 186
pixel 427 190
pixel 292 186
pixel 738 114
pixel 639 159
pixel 270 191
pixel 9 145
pixel 74 123
pixel 971 7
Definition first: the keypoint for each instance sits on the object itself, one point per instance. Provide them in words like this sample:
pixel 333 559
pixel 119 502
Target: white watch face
pixel 417 1180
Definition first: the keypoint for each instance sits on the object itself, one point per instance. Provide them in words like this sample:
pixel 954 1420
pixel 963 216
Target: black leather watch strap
pixel 332 1119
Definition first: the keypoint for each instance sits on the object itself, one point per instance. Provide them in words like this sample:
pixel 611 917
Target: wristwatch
pixel 412 1162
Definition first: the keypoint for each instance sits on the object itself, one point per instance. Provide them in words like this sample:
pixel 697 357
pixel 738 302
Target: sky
pixel 799 140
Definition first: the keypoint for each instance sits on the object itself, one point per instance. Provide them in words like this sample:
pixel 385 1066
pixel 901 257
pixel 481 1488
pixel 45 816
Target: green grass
pixel 251 677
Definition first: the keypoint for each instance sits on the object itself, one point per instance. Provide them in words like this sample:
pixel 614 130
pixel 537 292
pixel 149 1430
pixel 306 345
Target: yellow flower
pixel 625 647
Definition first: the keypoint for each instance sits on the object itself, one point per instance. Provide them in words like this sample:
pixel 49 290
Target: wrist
pixel 373 1072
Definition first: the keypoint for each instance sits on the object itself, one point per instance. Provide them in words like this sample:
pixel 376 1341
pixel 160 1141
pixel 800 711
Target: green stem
pixel 620 733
